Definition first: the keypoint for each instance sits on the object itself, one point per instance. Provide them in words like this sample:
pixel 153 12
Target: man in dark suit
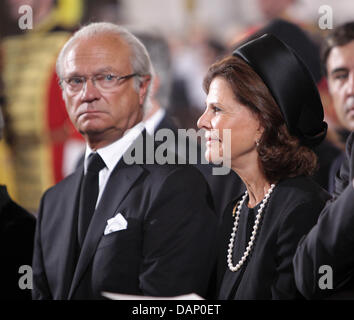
pixel 152 228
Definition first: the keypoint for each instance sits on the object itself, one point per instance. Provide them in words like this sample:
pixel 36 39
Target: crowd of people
pixel 263 229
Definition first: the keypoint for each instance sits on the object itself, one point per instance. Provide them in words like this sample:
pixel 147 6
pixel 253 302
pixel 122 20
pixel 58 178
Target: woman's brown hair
pixel 281 154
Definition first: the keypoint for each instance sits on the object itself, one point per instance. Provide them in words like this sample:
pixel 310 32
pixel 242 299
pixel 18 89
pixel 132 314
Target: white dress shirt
pixel 111 155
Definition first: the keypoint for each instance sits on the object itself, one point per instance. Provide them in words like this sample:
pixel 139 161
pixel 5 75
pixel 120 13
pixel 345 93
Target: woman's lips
pixel 210 141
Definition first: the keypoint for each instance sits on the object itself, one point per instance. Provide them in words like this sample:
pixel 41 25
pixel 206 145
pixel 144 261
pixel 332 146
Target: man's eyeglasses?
pixel 103 82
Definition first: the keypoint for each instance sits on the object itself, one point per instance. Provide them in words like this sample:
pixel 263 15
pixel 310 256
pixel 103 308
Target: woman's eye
pixel 216 109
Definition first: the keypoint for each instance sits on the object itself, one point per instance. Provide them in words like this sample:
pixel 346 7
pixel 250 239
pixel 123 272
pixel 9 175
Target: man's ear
pixel 144 85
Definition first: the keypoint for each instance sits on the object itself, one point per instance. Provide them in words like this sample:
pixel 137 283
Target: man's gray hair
pixel 140 59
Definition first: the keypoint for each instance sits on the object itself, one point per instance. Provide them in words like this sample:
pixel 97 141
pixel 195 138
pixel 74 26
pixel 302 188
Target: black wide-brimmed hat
pixel 291 85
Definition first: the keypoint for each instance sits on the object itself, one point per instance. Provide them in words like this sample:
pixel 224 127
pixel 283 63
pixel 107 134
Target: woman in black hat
pixel 266 98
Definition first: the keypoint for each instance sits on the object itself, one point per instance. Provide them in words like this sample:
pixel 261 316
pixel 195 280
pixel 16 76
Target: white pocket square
pixel 116 223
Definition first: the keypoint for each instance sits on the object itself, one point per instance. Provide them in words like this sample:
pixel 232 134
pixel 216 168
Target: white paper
pixel 118 296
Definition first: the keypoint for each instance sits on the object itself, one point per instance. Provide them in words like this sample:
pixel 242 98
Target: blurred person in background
pixel 43 143
pixel 338 65
pixel 158 116
pixel 223 187
pixel 190 61
pixel 6 167
pixel 275 115
pixel 274 9
pixel 17 228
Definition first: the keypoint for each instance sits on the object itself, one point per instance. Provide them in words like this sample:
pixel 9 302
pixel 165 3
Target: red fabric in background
pixel 59 125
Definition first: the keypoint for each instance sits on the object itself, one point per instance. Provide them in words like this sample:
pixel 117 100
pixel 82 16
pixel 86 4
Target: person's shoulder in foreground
pixel 17 228
pixel 324 262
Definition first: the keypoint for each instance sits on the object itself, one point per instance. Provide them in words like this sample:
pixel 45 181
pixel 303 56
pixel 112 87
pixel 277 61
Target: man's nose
pixel 89 91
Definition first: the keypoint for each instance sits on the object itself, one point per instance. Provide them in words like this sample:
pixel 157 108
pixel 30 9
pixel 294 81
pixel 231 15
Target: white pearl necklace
pixel 254 232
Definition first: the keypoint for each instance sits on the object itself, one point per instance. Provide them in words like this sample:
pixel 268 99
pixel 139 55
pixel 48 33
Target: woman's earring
pixel 257 143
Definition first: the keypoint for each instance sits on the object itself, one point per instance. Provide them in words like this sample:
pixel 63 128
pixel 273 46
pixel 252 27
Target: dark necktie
pixel 89 194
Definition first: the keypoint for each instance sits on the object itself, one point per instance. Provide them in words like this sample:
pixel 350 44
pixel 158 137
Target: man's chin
pixel 90 130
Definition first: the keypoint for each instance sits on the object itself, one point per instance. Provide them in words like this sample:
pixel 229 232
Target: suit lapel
pixel 119 183
pixel 66 266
